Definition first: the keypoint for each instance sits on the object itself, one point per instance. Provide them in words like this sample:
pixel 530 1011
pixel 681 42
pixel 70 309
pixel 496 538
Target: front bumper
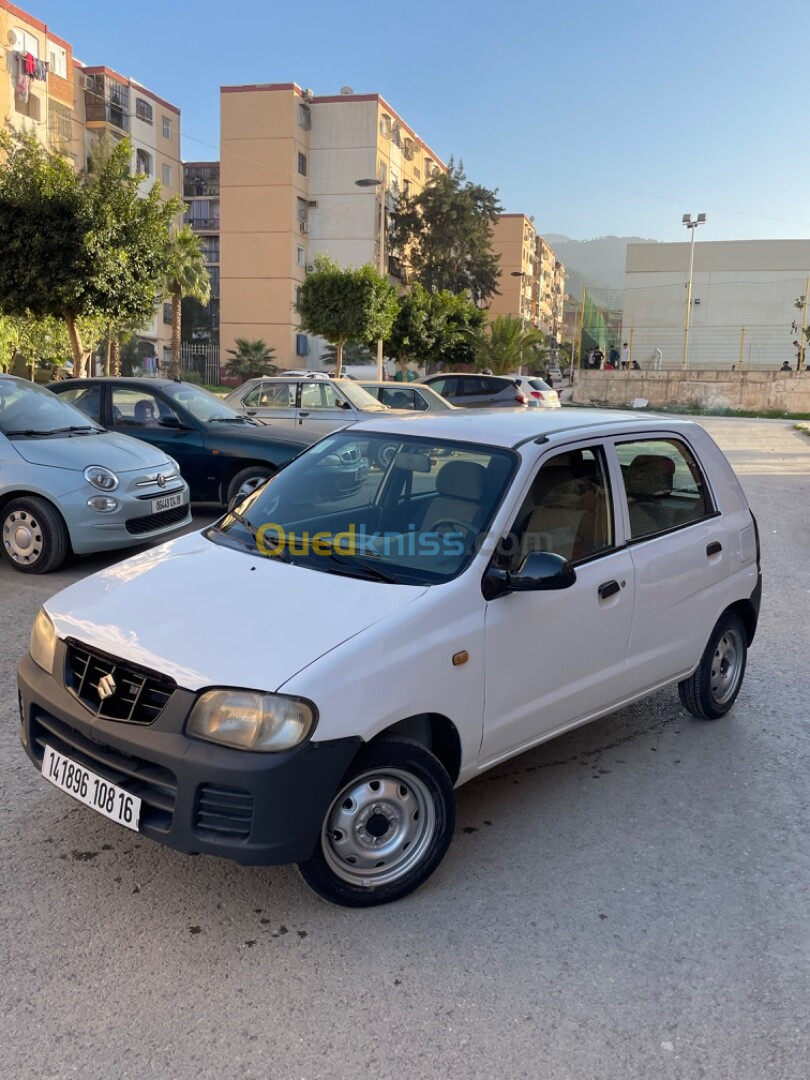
pixel 257 809
pixel 131 524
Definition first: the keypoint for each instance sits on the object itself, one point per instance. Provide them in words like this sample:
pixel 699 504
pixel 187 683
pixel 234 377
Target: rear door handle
pixel 714 548
pixel 608 588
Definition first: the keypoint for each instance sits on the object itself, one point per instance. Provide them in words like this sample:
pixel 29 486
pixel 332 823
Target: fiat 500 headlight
pixel 100 477
pixel 248 720
pixel 42 644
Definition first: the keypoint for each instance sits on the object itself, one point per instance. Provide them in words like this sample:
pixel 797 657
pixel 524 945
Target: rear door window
pixel 664 485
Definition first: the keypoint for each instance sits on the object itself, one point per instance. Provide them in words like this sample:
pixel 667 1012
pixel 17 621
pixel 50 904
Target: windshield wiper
pixel 281 554
pixel 228 420
pixel 366 569
pixel 56 431
pixel 26 431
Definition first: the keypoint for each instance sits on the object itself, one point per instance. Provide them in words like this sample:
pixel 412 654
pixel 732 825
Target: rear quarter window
pixel 664 484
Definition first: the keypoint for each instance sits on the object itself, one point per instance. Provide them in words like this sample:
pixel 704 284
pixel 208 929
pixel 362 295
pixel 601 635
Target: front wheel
pixel 246 481
pixel 387 828
pixel 710 692
pixel 34 536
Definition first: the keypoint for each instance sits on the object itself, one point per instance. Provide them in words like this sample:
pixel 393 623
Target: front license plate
pixel 167 502
pixel 92 790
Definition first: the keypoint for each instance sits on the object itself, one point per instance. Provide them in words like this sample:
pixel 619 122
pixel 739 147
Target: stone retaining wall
pixel 750 390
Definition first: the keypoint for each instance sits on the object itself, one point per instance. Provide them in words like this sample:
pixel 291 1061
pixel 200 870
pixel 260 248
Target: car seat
pixel 144 411
pixel 460 487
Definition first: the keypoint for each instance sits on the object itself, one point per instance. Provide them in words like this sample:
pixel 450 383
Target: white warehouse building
pixel 749 303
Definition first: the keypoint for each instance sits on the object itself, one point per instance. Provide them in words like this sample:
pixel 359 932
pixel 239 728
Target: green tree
pixel 251 358
pixel 445 235
pixel 345 304
pixel 504 345
pixel 71 249
pixel 186 276
pixel 419 325
pixel 461 320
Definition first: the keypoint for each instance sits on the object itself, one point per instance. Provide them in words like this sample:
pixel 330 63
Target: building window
pixel 167 176
pixel 167 314
pixel 302 163
pixel 304 117
pixel 60 131
pixel 30 108
pixel 299 256
pixel 167 357
pixel 143 162
pixel 143 110
pixel 167 127
pixel 57 60
pixel 24 42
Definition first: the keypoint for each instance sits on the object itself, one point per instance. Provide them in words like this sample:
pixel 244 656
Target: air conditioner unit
pixel 14 40
pixel 308 95
pixel 304 226
pixel 88 82
pixel 310 268
pixel 313 204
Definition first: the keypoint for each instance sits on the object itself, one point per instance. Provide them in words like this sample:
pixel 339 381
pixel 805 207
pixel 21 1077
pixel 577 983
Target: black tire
pixel 411 812
pixel 246 480
pixel 33 536
pixel 710 692
pixel 384 453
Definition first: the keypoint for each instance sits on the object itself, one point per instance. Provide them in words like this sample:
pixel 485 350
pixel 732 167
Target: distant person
pixel 598 358
pixel 613 356
pixel 625 355
pixel 608 365
pixel 635 366
pixel 786 366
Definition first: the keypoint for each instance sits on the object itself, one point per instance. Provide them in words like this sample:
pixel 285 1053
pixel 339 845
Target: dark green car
pixel 221 453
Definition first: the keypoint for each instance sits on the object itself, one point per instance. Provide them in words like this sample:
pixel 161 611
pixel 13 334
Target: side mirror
pixel 170 422
pixel 541 571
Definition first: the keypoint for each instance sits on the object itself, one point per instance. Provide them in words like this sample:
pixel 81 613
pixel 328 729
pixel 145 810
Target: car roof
pixel 119 380
pixel 465 375
pixel 511 427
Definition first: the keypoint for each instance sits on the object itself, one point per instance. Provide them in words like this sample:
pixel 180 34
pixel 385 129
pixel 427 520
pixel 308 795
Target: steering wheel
pixel 448 525
pixel 118 416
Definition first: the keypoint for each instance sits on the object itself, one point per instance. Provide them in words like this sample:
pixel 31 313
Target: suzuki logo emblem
pixel 106 687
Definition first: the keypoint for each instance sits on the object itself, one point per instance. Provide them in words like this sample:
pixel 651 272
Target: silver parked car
pixel 66 484
pixel 478 391
pixel 313 404
pixel 416 397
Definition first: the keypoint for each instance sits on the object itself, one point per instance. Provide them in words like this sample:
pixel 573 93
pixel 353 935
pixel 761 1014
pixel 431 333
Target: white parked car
pixel 537 391
pixel 507 577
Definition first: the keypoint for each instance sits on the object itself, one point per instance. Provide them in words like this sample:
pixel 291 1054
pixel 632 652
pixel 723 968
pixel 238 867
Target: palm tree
pixel 186 275
pixel 504 345
pixel 251 358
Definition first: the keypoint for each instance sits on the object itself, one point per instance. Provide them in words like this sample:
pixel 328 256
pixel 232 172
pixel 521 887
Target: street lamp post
pixel 520 274
pixel 383 268
pixel 692 225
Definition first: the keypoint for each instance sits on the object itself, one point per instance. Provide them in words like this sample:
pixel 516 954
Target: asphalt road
pixel 629 901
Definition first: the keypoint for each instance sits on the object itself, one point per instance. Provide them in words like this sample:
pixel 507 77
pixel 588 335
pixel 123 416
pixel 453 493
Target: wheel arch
pixel 748 615
pixel 32 493
pixel 435 732
pixel 237 465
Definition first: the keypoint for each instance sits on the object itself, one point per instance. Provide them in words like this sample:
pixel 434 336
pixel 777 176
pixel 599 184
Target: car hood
pixel 274 431
pixel 207 615
pixel 117 452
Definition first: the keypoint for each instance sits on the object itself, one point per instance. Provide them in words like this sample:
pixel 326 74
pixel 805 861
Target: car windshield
pixel 30 410
pixel 418 521
pixel 202 405
pixel 360 398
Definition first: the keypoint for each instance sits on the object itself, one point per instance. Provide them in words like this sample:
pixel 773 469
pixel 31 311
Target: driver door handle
pixel 608 588
pixel 714 548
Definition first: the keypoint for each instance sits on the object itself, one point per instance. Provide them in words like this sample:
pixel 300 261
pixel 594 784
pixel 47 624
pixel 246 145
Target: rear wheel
pixel 384 453
pixel 711 691
pixel 387 828
pixel 246 481
pixel 34 536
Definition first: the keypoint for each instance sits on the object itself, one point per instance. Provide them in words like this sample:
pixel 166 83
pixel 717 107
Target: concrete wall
pixel 749 390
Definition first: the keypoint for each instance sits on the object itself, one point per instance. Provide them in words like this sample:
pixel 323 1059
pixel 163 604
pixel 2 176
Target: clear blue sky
pixel 596 118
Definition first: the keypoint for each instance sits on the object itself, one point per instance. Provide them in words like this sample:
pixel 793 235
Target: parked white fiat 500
pixel 398 642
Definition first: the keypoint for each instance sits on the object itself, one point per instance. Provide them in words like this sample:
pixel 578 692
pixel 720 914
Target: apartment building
pixel 201 196
pixel 303 174
pixel 514 241
pixel 551 279
pixel 36 79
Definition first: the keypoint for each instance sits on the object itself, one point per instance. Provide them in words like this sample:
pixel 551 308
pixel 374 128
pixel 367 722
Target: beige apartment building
pixel 45 90
pixel 290 166
pixel 532 282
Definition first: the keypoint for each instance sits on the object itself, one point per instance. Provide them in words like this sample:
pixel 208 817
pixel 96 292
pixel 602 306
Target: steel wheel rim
pixel 386 454
pixel 353 843
pixel 726 667
pixel 22 538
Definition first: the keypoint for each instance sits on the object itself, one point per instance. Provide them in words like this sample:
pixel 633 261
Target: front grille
pixel 223 812
pixel 156 494
pixel 115 690
pixel 137 526
pixel 350 455
pixel 151 481
pixel 154 785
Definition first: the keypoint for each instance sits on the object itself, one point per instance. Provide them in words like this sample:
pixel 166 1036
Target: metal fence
pixel 203 360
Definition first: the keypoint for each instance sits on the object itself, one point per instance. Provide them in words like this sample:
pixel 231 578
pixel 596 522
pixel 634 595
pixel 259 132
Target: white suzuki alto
pixel 309 678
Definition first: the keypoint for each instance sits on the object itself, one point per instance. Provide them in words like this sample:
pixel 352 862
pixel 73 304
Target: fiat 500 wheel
pixel 711 691
pixel 387 828
pixel 33 536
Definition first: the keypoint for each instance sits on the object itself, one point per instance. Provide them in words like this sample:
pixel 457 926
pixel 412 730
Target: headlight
pixel 101 478
pixel 249 720
pixel 42 644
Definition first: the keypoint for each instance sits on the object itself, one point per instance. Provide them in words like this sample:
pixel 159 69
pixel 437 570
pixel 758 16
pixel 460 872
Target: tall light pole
pixel 691 225
pixel 383 268
pixel 521 274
